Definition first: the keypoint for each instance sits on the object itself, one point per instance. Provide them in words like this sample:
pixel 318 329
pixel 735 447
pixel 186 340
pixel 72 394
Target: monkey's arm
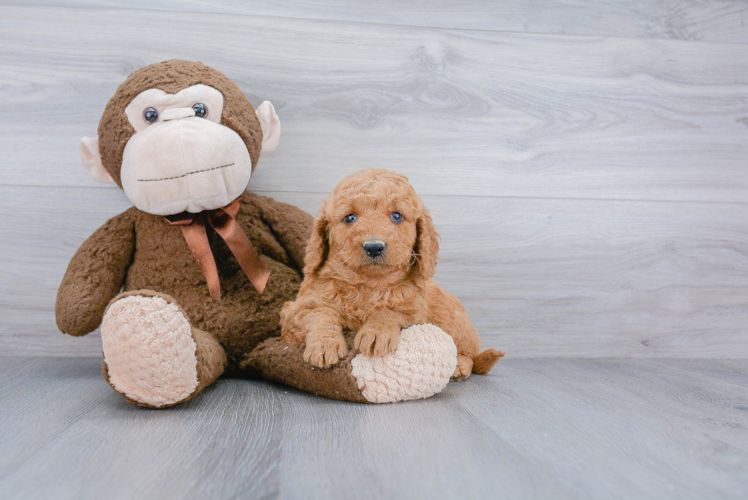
pixel 95 275
pixel 291 225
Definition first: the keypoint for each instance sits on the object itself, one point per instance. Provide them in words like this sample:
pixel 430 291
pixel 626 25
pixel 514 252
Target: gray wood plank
pixel 430 449
pixel 637 417
pixel 540 278
pixel 531 429
pixel 95 444
pixel 459 112
pixel 716 21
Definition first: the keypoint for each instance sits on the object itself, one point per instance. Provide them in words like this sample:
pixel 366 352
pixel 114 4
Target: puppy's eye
pixel 201 110
pixel 396 217
pixel 350 218
pixel 150 115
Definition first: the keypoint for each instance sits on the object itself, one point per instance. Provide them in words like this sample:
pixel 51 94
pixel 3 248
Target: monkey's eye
pixel 396 217
pixel 350 218
pixel 201 110
pixel 150 115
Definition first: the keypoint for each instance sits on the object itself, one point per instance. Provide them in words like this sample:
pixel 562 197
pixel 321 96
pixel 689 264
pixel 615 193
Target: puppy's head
pixel 375 224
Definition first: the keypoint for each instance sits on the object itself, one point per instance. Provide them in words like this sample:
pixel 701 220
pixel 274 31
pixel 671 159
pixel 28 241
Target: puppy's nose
pixel 374 248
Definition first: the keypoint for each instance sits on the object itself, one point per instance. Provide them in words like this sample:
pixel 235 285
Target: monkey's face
pixel 181 158
pixel 180 136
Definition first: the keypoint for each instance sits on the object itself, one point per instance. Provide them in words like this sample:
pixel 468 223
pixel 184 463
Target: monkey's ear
pixel 271 126
pixel 92 159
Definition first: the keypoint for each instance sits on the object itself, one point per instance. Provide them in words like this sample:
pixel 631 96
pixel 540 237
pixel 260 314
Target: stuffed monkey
pixel 189 283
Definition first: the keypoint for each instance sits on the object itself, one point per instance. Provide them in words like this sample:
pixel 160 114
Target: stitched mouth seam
pixel 185 175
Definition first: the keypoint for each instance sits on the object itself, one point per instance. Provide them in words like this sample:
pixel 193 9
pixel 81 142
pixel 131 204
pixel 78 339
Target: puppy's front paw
pixel 464 368
pixel 370 341
pixel 325 352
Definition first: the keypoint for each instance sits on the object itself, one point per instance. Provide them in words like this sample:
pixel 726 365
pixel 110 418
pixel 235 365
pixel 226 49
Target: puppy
pixel 368 269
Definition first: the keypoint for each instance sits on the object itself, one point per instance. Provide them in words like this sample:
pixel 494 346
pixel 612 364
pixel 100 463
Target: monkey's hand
pixel 95 275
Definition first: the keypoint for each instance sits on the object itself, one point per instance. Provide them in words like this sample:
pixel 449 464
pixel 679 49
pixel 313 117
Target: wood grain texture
pixel 715 21
pixel 540 278
pixel 561 429
pixel 459 112
pixel 591 192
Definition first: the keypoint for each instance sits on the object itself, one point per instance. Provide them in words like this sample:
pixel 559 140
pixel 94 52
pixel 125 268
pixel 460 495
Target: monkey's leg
pixel 421 366
pixel 152 355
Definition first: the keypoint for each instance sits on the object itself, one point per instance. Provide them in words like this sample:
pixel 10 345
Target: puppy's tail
pixel 484 361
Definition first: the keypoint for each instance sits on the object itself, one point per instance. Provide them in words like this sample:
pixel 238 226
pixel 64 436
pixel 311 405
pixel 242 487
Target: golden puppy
pixel 368 268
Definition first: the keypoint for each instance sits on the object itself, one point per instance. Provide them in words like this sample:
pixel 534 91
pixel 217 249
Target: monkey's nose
pixel 176 113
pixel 374 248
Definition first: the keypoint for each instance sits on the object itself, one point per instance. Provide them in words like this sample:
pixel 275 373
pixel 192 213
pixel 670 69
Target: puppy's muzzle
pixel 374 248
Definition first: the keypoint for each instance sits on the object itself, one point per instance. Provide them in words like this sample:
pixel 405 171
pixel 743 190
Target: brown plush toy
pixel 188 283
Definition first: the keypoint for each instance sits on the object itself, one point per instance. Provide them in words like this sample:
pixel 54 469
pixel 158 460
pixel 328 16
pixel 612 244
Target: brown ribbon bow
pixel 223 220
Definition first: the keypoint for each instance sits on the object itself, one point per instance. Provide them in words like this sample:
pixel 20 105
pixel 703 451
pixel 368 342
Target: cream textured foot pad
pixel 149 350
pixel 422 365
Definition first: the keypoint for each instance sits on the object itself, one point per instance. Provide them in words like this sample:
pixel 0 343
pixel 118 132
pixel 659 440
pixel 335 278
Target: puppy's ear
pixel 426 247
pixel 318 246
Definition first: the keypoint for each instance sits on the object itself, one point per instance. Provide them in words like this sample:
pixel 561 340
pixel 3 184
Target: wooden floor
pixel 552 429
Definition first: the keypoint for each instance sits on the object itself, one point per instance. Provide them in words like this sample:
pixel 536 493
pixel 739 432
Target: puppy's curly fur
pixel 345 288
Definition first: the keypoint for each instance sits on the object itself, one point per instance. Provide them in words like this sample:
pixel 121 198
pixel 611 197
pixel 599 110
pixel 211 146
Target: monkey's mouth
pixel 188 173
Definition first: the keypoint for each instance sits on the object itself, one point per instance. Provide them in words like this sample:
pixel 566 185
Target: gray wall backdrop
pixel 587 167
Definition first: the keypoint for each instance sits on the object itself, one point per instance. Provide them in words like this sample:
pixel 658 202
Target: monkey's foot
pixel 421 366
pixel 149 353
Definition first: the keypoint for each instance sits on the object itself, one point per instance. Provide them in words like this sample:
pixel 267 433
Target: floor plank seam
pixel 426 194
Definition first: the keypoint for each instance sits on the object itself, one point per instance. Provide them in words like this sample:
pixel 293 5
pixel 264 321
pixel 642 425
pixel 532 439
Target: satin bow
pixel 223 220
